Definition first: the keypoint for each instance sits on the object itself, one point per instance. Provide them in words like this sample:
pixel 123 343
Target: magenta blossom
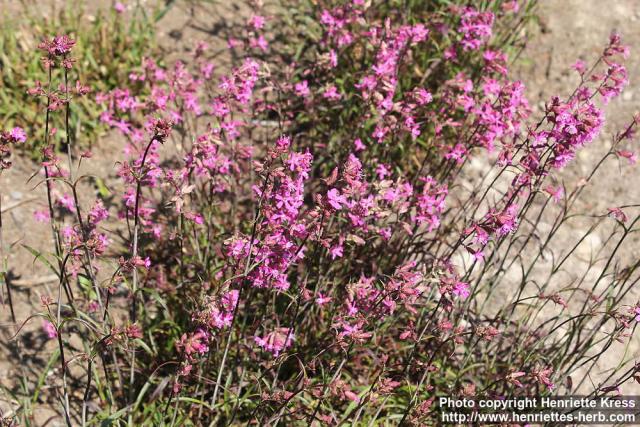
pixel 18 135
pixel 49 329
pixel 276 341
pixel 461 290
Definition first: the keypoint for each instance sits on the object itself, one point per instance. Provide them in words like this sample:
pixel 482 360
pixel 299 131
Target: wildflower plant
pixel 298 240
pixel 110 41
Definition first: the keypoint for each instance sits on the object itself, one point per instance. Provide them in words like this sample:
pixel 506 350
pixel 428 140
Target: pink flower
pixel 93 306
pixel 382 171
pixel 512 378
pixel 629 155
pixel 475 28
pixel 541 376
pixel 614 81
pixel 302 89
pixel 430 203
pixel 283 143
pixel 67 202
pixel 218 312
pixel 260 43
pixel 18 135
pixel 331 93
pixel 333 58
pixel 478 255
pixel 422 96
pixel 504 222
pixel 299 162
pixel 98 213
pixel 351 396
pixel 555 193
pixel 119 7
pixel 276 341
pixel 257 22
pixel 617 214
pixel 58 46
pixel 335 199
pixel 42 216
pixel 336 251
pixel 196 218
pixel 237 248
pixel 461 290
pixel 194 343
pixel 207 69
pixel 50 330
pixel 456 153
pixel 579 66
pixel 133 331
pixel 491 87
pixel 380 132
pixel 322 300
pixel 233 43
pixel 450 53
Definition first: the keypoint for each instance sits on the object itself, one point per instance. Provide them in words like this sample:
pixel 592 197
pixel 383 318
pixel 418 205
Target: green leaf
pixel 43 376
pixel 39 257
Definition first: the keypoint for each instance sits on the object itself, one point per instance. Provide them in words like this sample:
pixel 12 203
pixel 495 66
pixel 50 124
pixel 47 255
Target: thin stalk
pixel 134 256
pixel 3 267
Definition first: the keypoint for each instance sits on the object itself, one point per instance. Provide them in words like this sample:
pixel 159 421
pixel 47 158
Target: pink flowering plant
pixel 109 42
pixel 299 239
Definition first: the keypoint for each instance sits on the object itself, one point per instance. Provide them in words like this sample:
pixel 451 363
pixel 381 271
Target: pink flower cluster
pixel 277 241
pixel 7 138
pixel 475 28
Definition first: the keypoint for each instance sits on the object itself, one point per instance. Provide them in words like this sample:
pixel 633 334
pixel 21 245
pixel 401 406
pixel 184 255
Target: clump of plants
pixel 297 241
